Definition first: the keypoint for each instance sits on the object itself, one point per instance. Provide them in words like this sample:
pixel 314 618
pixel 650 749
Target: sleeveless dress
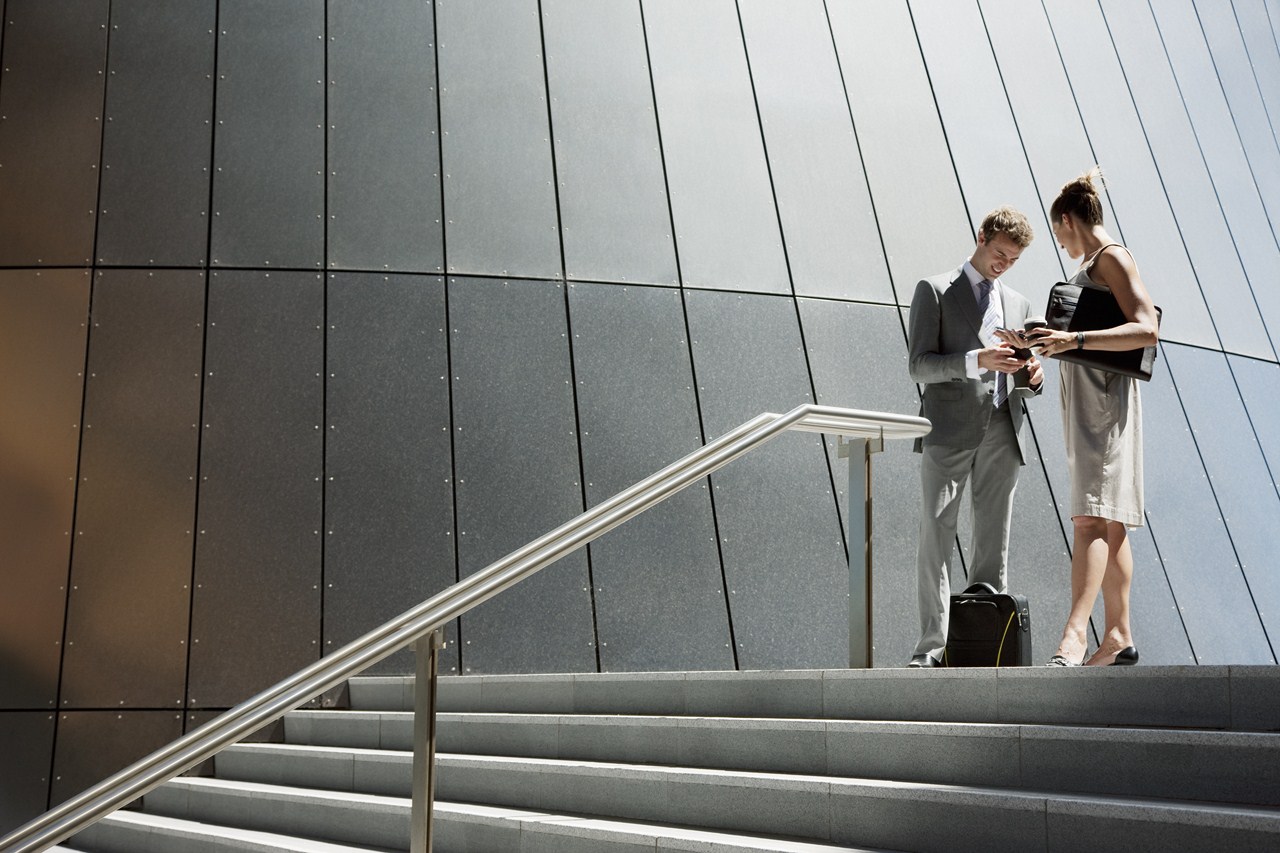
pixel 1102 426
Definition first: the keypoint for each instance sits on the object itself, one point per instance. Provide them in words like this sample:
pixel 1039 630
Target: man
pixel 974 385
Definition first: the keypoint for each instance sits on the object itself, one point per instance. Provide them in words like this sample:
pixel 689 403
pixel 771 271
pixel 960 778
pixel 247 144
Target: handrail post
pixel 427 650
pixel 859 454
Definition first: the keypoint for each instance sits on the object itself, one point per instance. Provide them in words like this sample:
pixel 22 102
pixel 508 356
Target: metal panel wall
pixel 1044 108
pixel 516 462
pixel 613 195
pixel 92 745
pixel 988 153
pixel 858 356
pixel 832 240
pixel 1137 193
pixel 388 458
pixel 780 538
pixel 1246 497
pixel 268 187
pixel 1186 180
pixel 54 56
pixel 1259 32
pixel 1244 99
pixel 1219 143
pixel 255 616
pixel 1187 526
pixel 1259 384
pixel 909 170
pixel 499 191
pixel 721 194
pixel 383 152
pixel 659 592
pixel 157 141
pixel 26 754
pixel 42 351
pixel 131 569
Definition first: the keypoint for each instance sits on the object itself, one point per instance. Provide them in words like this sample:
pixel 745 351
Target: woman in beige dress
pixel 1102 425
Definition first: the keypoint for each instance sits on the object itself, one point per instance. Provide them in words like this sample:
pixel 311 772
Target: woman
pixel 1102 424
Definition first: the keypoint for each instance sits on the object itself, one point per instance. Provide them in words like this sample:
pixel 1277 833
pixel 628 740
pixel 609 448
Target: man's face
pixel 992 258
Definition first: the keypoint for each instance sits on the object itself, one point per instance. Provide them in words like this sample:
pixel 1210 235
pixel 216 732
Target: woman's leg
pixel 1116 583
pixel 1089 559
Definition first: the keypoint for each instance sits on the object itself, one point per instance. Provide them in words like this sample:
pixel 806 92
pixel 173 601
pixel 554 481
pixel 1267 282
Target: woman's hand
pixel 1050 342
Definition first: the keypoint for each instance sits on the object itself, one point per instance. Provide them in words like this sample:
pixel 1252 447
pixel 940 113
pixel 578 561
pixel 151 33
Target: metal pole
pixel 859 454
pixel 427 650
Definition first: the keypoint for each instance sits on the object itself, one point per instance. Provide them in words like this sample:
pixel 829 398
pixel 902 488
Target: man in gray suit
pixel 974 385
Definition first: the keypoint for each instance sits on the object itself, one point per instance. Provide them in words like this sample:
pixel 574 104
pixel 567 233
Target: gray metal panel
pixel 51 100
pixel 157 141
pixel 500 199
pixel 131 568
pixel 384 155
pixel 721 196
pixel 659 598
pixel 269 141
pixel 1238 473
pixel 42 346
pixel 1244 99
pixel 1219 141
pixel 1259 384
pixel 26 754
pixel 613 192
pixel 833 242
pixel 1188 530
pixel 909 170
pixel 1259 31
pixel 256 609
pixel 988 154
pixel 516 462
pixel 92 745
pixel 781 541
pixel 1186 179
pixel 858 355
pixel 1137 194
pixel 388 490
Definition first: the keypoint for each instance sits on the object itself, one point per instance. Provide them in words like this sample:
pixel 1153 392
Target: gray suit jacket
pixel 945 324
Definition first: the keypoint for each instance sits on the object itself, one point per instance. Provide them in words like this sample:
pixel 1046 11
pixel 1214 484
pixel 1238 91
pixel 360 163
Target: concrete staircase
pixel 1132 759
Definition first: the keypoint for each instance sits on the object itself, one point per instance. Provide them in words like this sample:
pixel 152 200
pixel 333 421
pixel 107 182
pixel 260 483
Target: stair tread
pixel 249 839
pixel 1267 815
pixel 537 820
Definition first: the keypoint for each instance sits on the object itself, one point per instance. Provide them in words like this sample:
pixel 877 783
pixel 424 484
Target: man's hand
pixel 1000 359
pixel 1035 372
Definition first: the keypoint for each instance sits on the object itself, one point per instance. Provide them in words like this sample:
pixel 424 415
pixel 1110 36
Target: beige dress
pixel 1102 425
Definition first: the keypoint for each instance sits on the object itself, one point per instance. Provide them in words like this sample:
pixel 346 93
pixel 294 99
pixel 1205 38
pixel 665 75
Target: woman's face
pixel 1067 233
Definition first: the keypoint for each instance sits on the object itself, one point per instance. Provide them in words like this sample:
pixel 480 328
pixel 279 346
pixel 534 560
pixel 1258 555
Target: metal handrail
pixel 233 725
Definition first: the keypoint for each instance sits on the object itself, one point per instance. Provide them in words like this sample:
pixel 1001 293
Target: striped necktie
pixel 990 321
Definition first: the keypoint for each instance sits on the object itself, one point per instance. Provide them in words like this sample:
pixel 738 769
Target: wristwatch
pixel 1079 340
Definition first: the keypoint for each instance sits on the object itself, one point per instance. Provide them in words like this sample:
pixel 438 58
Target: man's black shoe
pixel 925 661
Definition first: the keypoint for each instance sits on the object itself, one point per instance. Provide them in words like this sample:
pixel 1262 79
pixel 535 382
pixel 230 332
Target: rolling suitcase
pixel 988 628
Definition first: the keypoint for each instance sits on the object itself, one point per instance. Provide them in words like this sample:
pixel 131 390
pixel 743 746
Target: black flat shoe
pixel 1125 657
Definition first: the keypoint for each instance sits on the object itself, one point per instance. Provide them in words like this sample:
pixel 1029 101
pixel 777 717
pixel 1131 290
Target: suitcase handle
pixel 980 589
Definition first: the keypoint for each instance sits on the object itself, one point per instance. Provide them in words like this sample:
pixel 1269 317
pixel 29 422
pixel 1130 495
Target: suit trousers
pixel 993 468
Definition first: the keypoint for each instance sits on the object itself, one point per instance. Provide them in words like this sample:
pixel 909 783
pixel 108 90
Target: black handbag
pixel 1086 308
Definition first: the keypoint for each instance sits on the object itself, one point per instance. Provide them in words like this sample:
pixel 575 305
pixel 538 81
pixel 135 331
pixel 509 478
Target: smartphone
pixel 1023 353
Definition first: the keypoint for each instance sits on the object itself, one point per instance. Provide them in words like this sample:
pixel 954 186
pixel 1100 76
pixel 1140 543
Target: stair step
pixel 1237 698
pixel 1230 767
pixel 884 814
pixel 460 827
pixel 134 832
